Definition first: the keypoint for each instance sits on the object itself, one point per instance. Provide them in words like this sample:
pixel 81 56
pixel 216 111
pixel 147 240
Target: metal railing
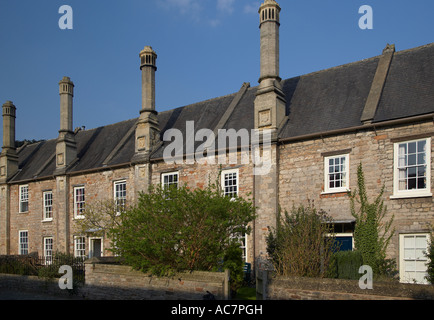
pixel 31 265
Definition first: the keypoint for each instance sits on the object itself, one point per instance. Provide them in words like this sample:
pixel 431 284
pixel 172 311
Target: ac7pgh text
pixel 230 309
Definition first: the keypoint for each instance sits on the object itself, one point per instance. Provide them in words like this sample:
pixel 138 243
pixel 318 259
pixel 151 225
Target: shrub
pixel 178 229
pixel 345 265
pixel 299 246
pixel 233 261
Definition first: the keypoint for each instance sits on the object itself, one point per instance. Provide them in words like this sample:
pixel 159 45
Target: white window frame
pixel 346 185
pixel 48 250
pixel 79 204
pixel 80 246
pixel 418 260
pixel 168 174
pixel 426 192
pixel 120 195
pixel 243 239
pixel 47 205
pixel 225 173
pixel 243 246
pixel 24 198
pixel 23 246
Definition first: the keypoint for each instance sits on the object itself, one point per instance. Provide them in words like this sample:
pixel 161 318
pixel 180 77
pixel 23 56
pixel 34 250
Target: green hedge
pixel 345 265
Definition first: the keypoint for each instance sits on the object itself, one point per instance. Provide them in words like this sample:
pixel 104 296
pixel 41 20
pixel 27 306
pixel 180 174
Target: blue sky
pixel 206 49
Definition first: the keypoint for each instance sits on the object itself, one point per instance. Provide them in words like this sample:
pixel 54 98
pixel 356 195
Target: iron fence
pixel 48 267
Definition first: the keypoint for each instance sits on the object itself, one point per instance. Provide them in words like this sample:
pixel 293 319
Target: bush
pixel 233 261
pixel 298 246
pixel 345 265
pixel 178 229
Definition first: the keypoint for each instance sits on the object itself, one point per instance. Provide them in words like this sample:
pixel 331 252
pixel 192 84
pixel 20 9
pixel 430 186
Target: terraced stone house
pixel 378 112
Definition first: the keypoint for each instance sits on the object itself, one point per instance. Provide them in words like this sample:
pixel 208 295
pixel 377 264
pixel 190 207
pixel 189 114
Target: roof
pixel 409 87
pixel 327 100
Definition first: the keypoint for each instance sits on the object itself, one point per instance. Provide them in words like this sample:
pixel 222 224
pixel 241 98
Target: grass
pixel 246 293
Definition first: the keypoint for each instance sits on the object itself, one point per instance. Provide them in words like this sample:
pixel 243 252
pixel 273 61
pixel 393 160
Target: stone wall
pixel 115 282
pixel 35 285
pixel 294 288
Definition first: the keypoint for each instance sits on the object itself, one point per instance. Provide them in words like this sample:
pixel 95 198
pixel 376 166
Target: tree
pixel 302 243
pixel 371 235
pixel 178 229
pixel 100 217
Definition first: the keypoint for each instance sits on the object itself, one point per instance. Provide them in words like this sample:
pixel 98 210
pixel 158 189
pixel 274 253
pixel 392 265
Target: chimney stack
pixel 147 129
pixel 148 66
pixel 270 103
pixel 66 148
pixel 8 158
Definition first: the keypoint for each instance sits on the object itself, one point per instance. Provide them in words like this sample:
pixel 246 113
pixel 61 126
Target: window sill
pixel 335 191
pixel 411 195
pixel 48 220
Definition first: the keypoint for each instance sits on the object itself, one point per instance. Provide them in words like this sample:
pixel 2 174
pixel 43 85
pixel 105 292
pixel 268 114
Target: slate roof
pixel 409 88
pixel 317 102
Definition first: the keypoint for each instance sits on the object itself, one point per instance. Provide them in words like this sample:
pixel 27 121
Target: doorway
pixel 95 247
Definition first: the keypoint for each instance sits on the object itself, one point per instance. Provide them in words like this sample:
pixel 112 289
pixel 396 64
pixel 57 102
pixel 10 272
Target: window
pixel 336 170
pixel 80 247
pixel 24 198
pixel 48 205
pixel 412 168
pixel 120 194
pixel 169 180
pixel 23 245
pixel 48 250
pixel 243 246
pixel 79 202
pixel 413 260
pixel 230 183
pixel 230 189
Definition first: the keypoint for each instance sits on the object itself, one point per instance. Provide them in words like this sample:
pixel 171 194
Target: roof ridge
pixel 342 66
pixel 109 125
pixel 428 45
pixel 361 61
pixel 199 102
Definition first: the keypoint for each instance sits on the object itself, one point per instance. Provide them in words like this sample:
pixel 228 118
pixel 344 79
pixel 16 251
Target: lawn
pixel 246 293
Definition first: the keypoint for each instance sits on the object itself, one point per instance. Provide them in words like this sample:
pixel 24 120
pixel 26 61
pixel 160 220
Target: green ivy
pixel 430 256
pixel 371 235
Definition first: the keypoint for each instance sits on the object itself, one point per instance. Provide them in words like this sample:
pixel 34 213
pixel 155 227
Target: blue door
pixel 346 243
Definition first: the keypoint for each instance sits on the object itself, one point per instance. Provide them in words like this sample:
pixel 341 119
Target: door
pixel 95 247
pixel 345 243
pixel 413 258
